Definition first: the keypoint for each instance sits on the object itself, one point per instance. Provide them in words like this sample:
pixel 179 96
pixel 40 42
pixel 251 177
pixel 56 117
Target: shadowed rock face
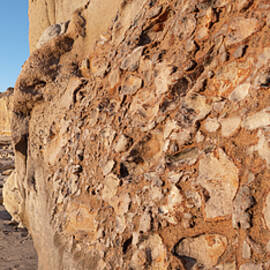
pixel 141 136
pixel 16 247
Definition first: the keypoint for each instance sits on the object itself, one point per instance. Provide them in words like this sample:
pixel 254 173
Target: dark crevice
pixel 123 171
pixel 180 88
pixel 22 145
pixel 149 259
pixel 127 244
pixel 143 39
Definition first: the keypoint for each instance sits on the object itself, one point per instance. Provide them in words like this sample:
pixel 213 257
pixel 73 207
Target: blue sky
pixel 14 48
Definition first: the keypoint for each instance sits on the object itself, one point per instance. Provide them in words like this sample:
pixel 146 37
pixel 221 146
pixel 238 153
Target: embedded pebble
pixel 229 125
pixel 205 249
pixel 219 176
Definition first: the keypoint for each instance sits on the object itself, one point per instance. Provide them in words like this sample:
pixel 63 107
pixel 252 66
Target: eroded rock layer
pixel 143 142
pixel 6 150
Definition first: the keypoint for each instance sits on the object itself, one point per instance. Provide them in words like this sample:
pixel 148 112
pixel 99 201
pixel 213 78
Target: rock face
pixel 141 134
pixel 6 149
pixel 16 247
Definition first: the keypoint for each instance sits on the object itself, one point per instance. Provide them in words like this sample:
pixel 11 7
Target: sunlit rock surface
pixel 141 135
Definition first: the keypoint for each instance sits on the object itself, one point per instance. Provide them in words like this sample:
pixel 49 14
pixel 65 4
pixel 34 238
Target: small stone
pixel 205 249
pixel 186 156
pixel 163 80
pixel 111 183
pixel 174 199
pixel 145 222
pixel 251 177
pixel 51 32
pixel 240 92
pixel 194 199
pixel 131 63
pixel 73 185
pixel 120 224
pixel 263 147
pixel 174 177
pixel 151 251
pixel 169 127
pixel 85 67
pixel 191 46
pixel 131 85
pixel 76 169
pixel 199 104
pixel 114 77
pixel 155 12
pixel 263 79
pixel 258 120
pixel 239 52
pixel 121 203
pixel 246 251
pixel 122 144
pixel 146 67
pixel 242 202
pixel 98 66
pixel 156 194
pixel 251 266
pixel 202 34
pixel 211 124
pixel 230 125
pixel 108 167
pixel 240 29
pixel 185 28
pixel 219 176
pixel 199 137
pixel 230 75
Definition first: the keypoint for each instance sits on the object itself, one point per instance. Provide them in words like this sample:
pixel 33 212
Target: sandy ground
pixel 16 246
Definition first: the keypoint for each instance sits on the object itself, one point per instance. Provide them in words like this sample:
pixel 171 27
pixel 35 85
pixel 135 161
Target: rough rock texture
pixel 16 247
pixel 6 150
pixel 140 130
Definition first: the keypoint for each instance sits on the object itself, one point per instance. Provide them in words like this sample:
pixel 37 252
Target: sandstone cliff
pixel 141 133
pixel 6 151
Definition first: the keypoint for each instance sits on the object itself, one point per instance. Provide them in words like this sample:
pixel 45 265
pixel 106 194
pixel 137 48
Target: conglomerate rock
pixel 142 136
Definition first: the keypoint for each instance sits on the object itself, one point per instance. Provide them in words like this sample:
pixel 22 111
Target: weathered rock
pixel 205 249
pixel 237 32
pixel 144 123
pixel 151 252
pixel 230 125
pixel 131 85
pixel 13 200
pixel 219 176
pixel 51 32
pixel 241 204
pixel 257 120
pixel 123 143
pixel 174 200
pixel 211 124
pixel 5 116
pixel 132 62
pixel 246 250
pixel 240 92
